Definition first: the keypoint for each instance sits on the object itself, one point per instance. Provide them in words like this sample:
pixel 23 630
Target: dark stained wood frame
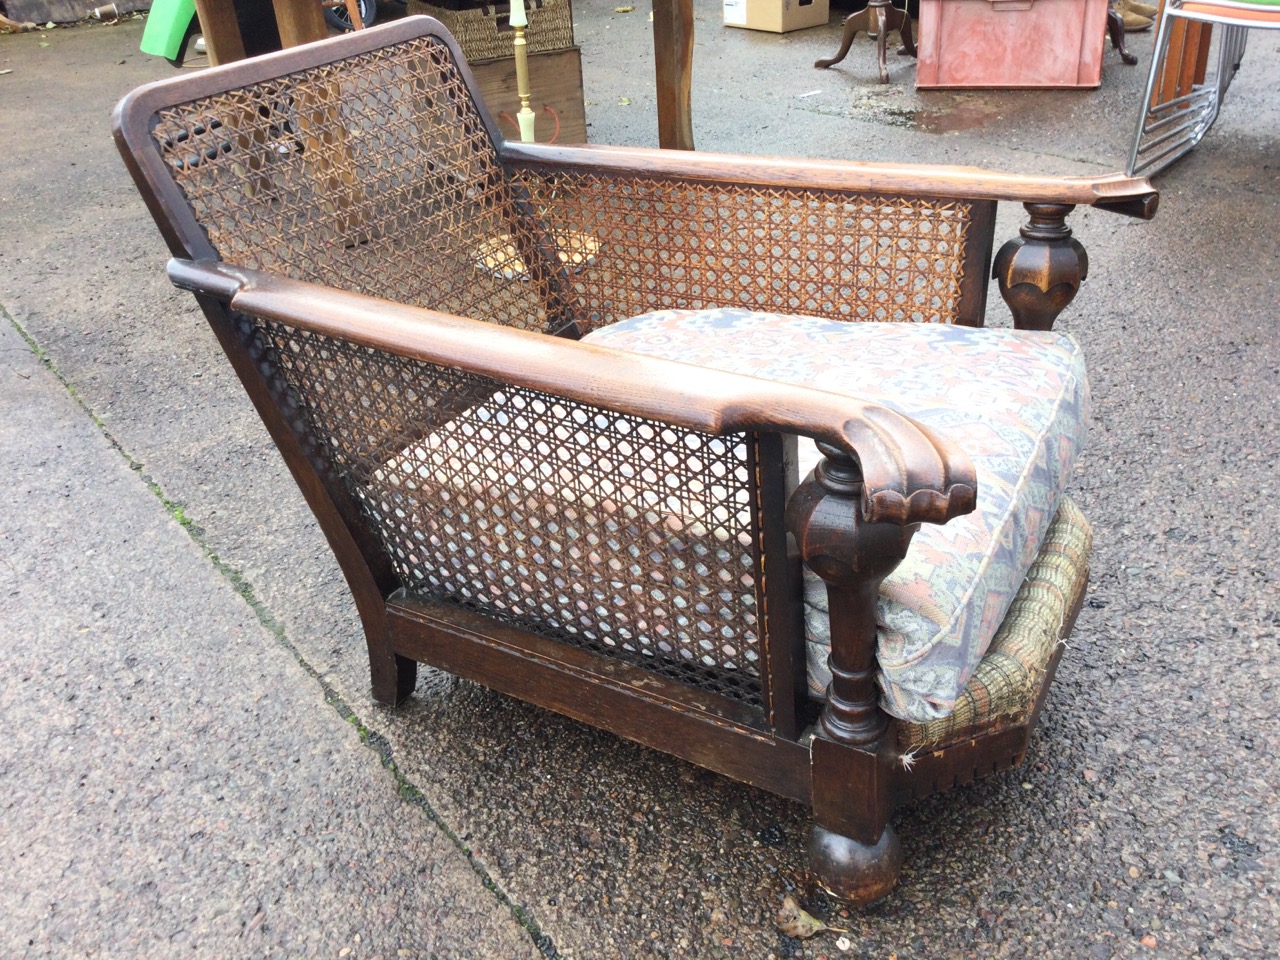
pixel 850 521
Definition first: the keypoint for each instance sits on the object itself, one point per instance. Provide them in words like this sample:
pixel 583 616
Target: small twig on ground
pixel 13 26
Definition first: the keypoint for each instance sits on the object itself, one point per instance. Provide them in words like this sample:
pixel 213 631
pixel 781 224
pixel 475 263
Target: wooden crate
pixel 555 80
pixel 1011 43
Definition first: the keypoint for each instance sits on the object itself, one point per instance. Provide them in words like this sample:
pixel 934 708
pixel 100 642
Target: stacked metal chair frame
pixel 403 295
pixel 1174 116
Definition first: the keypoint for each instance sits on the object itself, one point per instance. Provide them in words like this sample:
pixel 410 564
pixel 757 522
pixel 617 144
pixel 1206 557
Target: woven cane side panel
pixel 374 174
pixel 614 533
pixel 667 244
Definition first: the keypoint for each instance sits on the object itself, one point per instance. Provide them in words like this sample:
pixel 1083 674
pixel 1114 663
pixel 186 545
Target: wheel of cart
pixel 338 12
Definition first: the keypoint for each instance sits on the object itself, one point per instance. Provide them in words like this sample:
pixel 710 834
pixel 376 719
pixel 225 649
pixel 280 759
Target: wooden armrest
pixel 910 474
pixel 1131 196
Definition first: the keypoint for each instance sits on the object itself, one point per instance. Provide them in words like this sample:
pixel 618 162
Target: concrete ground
pixel 192 764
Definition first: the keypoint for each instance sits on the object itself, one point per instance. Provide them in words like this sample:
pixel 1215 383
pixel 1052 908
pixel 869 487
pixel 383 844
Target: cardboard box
pixel 776 16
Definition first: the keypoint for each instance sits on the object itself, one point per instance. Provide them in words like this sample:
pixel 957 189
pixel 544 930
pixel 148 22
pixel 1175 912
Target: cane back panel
pixel 682 244
pixel 373 174
pixel 611 532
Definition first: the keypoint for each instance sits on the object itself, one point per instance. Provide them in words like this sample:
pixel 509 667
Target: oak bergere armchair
pixel 711 452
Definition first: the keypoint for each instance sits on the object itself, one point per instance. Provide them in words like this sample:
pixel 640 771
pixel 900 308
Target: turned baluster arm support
pixel 853 850
pixel 1040 272
pixel 851 536
pixel 881 476
pixel 852 556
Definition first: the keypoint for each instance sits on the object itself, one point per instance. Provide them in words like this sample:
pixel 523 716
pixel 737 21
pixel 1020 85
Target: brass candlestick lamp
pixel 525 118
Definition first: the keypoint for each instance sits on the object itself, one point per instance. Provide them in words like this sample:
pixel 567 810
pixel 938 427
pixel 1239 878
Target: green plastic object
pixel 167 25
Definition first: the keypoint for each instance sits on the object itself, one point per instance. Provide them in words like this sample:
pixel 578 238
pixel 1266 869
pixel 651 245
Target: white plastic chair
pixel 1168 129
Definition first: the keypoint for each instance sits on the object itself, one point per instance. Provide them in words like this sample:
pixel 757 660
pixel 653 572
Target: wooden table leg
pixel 221 30
pixel 300 21
pixel 353 14
pixel 1115 29
pixel 881 18
pixel 673 64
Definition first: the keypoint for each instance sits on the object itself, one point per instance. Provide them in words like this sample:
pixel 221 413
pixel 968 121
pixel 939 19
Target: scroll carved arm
pixel 911 474
pixel 907 474
pixel 853 556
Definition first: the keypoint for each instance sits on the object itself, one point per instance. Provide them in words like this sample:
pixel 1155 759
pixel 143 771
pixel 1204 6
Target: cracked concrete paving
pixel 1147 807
pixel 173 780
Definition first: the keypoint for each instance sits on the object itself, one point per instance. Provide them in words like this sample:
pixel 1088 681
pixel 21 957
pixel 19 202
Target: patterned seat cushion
pixel 1015 401
pixel 1004 688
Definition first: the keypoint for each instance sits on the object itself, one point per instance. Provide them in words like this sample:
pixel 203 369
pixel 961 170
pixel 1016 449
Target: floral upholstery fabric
pixel 1015 401
pixel 1003 689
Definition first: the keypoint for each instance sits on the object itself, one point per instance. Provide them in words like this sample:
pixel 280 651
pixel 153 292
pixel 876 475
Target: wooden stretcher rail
pixel 632 702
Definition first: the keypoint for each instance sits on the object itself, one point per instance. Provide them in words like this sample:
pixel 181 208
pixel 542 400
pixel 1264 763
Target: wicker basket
pixel 483 33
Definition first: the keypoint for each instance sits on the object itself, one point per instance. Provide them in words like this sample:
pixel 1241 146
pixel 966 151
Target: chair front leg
pixel 854 852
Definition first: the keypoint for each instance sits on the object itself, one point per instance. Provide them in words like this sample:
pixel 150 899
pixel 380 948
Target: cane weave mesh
pixel 668 244
pixel 611 532
pixel 374 174
pixel 1003 689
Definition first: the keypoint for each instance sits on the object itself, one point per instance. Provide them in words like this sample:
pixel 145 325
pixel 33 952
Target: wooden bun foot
pixel 853 871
